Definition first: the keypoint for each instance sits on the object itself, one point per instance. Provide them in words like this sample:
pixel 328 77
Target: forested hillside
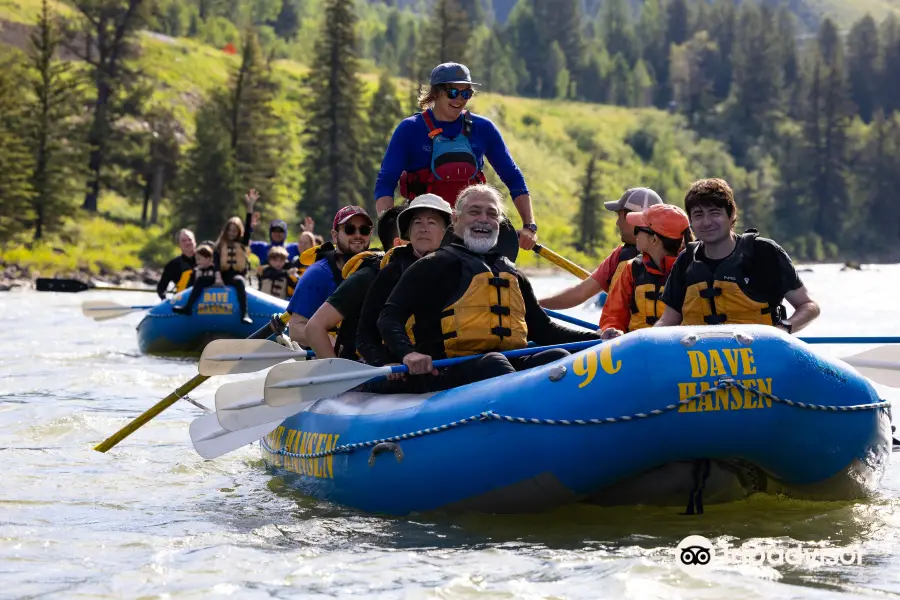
pixel 203 99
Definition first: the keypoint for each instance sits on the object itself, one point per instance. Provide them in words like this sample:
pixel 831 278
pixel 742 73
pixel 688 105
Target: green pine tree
pixel 862 65
pixel 51 134
pixel 252 125
pixel 447 33
pixel 206 199
pixel 827 120
pixel 16 162
pixel 618 31
pixel 112 25
pixel 333 168
pixel 590 233
pixel 757 92
pixel 655 51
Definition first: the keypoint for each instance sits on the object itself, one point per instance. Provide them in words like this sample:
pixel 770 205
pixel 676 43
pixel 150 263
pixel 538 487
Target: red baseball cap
pixel 666 220
pixel 347 213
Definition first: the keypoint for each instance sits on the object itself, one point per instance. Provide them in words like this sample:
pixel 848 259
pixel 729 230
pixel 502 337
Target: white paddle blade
pixel 102 310
pixel 881 365
pixel 242 404
pixel 211 441
pixel 233 357
pixel 303 383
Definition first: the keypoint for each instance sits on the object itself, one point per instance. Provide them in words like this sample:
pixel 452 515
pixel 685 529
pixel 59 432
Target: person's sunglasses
pixel 278 230
pixel 646 230
pixel 454 93
pixel 350 229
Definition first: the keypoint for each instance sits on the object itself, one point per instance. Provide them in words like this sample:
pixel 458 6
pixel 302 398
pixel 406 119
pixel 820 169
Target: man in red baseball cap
pixel 350 234
pixel 635 300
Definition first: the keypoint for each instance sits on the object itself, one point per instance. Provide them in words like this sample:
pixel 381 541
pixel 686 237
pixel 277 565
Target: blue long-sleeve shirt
pixel 410 150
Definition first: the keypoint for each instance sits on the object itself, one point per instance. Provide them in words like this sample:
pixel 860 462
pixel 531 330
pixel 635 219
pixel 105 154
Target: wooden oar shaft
pixel 154 410
pixel 275 325
pixel 119 308
pixel 561 262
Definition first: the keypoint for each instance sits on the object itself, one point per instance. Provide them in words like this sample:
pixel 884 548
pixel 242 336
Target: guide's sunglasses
pixel 454 93
pixel 350 229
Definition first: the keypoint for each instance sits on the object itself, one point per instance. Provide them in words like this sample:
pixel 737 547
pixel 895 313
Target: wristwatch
pixel 786 325
pixel 531 226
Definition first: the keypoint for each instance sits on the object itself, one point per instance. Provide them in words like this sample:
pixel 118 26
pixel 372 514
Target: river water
pixel 151 519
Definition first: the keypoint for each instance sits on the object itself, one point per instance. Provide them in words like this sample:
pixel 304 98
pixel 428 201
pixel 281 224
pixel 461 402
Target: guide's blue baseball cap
pixel 451 72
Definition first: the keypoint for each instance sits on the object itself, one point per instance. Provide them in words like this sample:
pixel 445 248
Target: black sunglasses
pixel 454 93
pixel 350 229
pixel 646 230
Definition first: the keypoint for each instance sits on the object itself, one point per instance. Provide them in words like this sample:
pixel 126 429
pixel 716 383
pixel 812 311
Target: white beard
pixel 480 245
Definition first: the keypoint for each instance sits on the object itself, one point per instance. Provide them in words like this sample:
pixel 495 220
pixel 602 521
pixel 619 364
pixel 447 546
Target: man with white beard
pixel 467 298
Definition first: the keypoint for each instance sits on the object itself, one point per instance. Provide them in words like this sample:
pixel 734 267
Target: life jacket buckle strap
pixel 498 282
pixel 711 292
pixel 502 331
pixel 717 319
pixel 500 310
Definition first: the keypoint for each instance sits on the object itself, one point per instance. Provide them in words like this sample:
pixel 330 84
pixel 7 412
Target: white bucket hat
pixel 431 201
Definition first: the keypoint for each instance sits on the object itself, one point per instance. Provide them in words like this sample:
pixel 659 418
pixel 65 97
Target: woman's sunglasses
pixel 454 93
pixel 646 230
pixel 350 229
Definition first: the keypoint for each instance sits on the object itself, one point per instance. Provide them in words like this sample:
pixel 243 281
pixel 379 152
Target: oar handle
pixel 275 325
pixel 560 261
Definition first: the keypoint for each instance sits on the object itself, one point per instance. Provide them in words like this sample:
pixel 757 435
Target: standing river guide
pixel 441 151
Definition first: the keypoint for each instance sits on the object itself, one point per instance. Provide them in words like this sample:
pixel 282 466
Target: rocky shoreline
pixel 17 278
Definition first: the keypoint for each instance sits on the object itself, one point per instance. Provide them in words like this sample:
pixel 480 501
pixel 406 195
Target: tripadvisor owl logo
pixel 694 553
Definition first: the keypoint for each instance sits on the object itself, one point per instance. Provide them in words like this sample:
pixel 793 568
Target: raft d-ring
pixel 385 447
pixel 742 338
pixel 557 373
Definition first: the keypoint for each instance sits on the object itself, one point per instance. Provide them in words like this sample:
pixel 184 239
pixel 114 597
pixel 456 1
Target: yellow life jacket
pixel 389 255
pixel 726 296
pixel 487 313
pixel 317 253
pixel 277 282
pixel 185 280
pixel 233 257
pixel 628 252
pixel 356 261
pixel 646 299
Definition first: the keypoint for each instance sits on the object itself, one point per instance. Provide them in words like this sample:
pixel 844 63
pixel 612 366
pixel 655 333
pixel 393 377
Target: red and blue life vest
pixel 454 165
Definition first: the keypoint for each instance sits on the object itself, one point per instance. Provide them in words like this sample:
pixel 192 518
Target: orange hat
pixel 664 219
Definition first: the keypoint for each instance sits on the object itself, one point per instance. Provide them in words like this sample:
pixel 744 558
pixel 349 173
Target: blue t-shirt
pixel 314 287
pixel 261 250
pixel 410 150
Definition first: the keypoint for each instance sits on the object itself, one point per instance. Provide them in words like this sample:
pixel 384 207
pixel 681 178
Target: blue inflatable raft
pixel 667 416
pixel 216 315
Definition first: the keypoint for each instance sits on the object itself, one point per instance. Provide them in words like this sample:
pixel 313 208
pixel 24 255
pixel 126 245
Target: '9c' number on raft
pixel 586 366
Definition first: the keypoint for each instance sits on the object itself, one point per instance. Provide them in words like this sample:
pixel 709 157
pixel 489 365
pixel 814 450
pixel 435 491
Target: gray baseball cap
pixel 451 72
pixel 636 199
